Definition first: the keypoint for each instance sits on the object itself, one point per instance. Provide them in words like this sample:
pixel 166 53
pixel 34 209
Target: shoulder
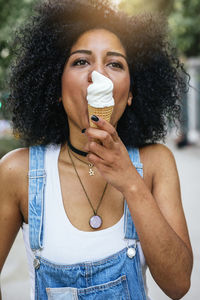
pixel 157 159
pixel 14 169
pixel 157 152
pixel 15 160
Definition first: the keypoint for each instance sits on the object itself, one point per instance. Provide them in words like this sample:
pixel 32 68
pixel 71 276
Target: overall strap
pixel 129 227
pixel 37 179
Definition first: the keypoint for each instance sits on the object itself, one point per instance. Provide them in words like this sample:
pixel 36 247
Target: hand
pixel 111 157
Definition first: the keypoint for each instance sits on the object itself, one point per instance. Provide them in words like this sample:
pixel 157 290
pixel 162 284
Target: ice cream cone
pixel 103 112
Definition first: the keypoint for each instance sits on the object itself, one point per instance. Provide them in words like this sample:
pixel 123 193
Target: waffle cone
pixel 104 112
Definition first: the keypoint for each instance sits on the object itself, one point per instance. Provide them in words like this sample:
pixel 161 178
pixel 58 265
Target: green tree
pixel 12 15
pixel 138 6
pixel 184 20
pixel 185 24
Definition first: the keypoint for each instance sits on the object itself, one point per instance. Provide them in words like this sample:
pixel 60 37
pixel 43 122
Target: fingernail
pixel 83 130
pixel 94 118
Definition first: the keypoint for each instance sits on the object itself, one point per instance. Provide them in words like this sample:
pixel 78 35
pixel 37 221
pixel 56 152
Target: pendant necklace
pixel 90 165
pixel 95 221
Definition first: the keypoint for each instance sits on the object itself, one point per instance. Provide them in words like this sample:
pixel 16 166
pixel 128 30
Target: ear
pixel 60 99
pixel 130 98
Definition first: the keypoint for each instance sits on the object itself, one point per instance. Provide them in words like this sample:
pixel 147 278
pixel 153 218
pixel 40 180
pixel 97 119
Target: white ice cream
pixel 100 92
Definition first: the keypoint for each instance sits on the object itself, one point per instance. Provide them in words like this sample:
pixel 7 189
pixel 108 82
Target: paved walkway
pixel 15 282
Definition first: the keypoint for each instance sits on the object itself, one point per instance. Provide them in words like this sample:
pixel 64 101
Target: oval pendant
pixel 131 252
pixel 95 222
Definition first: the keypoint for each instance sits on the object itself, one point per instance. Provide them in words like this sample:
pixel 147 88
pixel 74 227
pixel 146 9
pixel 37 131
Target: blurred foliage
pixel 184 22
pixel 4 113
pixel 138 6
pixel 7 144
pixel 12 15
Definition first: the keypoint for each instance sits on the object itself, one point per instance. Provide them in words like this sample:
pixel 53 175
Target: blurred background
pixel 184 141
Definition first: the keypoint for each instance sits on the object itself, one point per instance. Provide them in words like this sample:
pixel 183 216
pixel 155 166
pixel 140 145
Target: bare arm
pixel 10 213
pixel 157 212
pixel 161 225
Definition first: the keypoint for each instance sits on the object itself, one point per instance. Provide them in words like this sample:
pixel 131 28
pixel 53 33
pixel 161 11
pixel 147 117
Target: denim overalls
pixel 117 277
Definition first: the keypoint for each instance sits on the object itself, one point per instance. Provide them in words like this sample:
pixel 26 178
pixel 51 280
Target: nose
pixel 98 68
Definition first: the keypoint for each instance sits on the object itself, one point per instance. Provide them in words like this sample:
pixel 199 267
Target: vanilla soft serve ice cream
pixel 100 92
pixel 100 97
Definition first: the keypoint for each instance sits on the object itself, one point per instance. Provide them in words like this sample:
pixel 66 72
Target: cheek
pixel 73 95
pixel 69 84
pixel 73 88
pixel 121 87
pixel 121 92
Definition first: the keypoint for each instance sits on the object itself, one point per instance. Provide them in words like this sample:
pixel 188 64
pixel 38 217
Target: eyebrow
pixel 109 53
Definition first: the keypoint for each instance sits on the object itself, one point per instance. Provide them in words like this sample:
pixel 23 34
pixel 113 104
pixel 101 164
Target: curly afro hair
pixel 43 45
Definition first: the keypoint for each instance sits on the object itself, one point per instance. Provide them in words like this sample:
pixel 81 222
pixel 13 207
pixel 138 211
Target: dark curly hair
pixel 43 45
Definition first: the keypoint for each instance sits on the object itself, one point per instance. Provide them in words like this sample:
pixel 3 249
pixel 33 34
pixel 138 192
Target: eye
pixel 80 62
pixel 116 65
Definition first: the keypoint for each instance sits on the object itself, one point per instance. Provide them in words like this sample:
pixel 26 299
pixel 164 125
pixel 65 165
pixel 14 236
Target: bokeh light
pixel 116 2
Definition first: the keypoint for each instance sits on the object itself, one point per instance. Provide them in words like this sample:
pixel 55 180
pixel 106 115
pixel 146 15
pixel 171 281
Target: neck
pixel 78 140
pixel 76 137
pixel 76 150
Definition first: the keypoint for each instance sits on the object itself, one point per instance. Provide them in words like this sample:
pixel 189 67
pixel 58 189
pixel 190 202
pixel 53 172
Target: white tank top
pixel 64 243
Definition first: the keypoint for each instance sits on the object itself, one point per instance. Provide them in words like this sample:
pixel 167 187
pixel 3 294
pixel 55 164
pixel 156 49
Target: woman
pixel 141 219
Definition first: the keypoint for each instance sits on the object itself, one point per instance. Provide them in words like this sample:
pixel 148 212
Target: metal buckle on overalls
pixel 36 261
pixel 131 252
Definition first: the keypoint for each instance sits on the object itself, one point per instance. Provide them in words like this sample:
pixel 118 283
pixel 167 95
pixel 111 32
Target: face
pixel 102 51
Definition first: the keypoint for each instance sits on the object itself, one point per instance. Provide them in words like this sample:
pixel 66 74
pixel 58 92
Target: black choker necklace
pixel 77 151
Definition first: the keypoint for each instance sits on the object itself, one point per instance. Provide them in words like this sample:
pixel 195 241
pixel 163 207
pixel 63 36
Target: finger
pixel 103 136
pixel 96 160
pixel 105 125
pixel 100 152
